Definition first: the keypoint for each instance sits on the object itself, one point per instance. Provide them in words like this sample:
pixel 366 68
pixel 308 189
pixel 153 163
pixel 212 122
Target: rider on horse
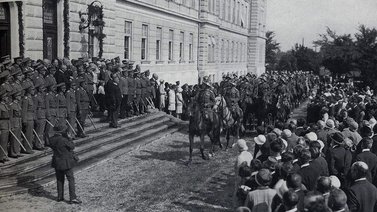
pixel 232 96
pixel 205 99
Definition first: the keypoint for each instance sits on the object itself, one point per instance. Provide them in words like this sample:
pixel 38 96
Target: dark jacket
pixel 371 160
pixel 321 165
pixel 362 197
pixel 113 95
pixel 339 160
pixel 309 176
pixel 63 158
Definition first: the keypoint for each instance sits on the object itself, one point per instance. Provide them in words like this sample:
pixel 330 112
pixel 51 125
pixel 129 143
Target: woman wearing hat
pixel 179 101
pixel 171 97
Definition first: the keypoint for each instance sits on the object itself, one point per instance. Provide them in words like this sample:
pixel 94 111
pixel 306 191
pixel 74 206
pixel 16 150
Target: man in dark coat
pixel 339 158
pixel 307 171
pixel 362 195
pixel 369 158
pixel 114 99
pixel 63 161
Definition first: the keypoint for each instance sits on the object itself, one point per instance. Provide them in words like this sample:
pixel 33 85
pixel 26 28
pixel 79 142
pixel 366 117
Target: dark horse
pixel 204 122
pixel 231 122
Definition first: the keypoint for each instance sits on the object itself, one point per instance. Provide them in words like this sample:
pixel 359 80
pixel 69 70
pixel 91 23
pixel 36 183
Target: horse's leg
pixel 227 134
pixel 202 147
pixel 191 138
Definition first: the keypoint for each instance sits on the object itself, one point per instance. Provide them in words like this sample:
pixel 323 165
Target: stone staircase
pixel 33 171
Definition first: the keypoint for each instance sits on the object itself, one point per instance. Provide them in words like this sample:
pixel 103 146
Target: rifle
pixel 15 137
pixel 70 126
pixel 27 141
pixel 36 134
pixel 91 120
pixel 49 123
pixel 79 124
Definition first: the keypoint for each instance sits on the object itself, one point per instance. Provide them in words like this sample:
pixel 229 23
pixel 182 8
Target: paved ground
pixel 150 178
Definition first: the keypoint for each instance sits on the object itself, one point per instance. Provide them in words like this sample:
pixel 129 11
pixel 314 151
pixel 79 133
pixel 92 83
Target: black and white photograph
pixel 188 106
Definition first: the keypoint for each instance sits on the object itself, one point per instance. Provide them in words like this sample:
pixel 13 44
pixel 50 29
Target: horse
pixel 204 122
pixel 231 122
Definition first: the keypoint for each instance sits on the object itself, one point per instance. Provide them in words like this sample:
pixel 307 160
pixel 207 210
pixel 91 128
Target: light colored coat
pixel 171 96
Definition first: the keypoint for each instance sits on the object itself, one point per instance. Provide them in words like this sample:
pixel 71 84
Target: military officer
pixel 51 109
pixel 15 124
pixel 137 100
pixel 70 96
pixel 27 114
pixel 83 102
pixel 61 104
pixel 90 85
pixel 40 114
pixel 4 121
pixel 131 92
pixel 232 97
pixel 113 99
pixel 123 84
pixel 205 98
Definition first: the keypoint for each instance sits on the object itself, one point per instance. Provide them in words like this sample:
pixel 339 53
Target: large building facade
pixel 177 39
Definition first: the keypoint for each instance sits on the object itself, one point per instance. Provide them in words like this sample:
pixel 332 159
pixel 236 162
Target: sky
pixel 295 20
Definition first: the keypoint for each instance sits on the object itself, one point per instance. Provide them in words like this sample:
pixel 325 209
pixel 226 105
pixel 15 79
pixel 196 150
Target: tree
pixel 307 59
pixel 272 49
pixel 338 52
pixel 366 47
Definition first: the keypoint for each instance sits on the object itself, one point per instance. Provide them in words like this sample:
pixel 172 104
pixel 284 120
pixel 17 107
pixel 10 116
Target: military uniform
pixel 27 114
pixel 15 125
pixel 70 96
pixel 61 106
pixel 40 119
pixel 123 85
pixel 144 93
pixel 83 102
pixel 131 94
pixel 4 126
pixel 137 99
pixel 51 113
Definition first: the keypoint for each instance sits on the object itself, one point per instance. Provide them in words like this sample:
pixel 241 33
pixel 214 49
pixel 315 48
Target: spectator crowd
pixel 327 163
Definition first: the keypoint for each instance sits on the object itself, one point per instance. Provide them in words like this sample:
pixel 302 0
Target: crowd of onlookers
pixel 327 164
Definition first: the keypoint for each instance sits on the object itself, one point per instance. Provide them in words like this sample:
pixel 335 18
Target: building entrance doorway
pixel 4 30
pixel 50 31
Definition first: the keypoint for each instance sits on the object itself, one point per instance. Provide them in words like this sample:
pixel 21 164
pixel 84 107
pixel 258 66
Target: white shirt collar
pixel 361 179
pixel 304 165
pixel 366 150
pixel 292 210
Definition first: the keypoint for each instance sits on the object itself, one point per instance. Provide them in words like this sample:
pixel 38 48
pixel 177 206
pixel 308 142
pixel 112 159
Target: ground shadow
pixel 172 156
pixel 214 197
pixel 34 188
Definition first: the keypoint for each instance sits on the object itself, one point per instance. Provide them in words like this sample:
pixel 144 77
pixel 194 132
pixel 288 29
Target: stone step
pixel 101 132
pixel 45 176
pixel 82 147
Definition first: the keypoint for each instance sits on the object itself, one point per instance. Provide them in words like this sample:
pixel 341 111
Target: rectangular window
pixel 234 11
pixel 193 3
pixel 238 13
pixel 171 39
pixel 91 43
pixel 127 39
pixel 191 41
pixel 158 43
pixel 144 42
pixel 182 47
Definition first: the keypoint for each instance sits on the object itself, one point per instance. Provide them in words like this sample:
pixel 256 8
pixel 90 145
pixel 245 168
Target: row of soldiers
pixel 32 102
pixel 37 95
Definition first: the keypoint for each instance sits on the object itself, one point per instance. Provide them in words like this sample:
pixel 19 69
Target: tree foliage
pixel 272 50
pixel 343 54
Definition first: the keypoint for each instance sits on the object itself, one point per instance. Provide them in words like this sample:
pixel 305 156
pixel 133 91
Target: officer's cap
pixel 28 70
pixel 4 74
pixel 3 92
pixel 15 71
pixel 80 80
pixel 5 60
pixel 60 85
pixel 17 59
pixel 26 60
